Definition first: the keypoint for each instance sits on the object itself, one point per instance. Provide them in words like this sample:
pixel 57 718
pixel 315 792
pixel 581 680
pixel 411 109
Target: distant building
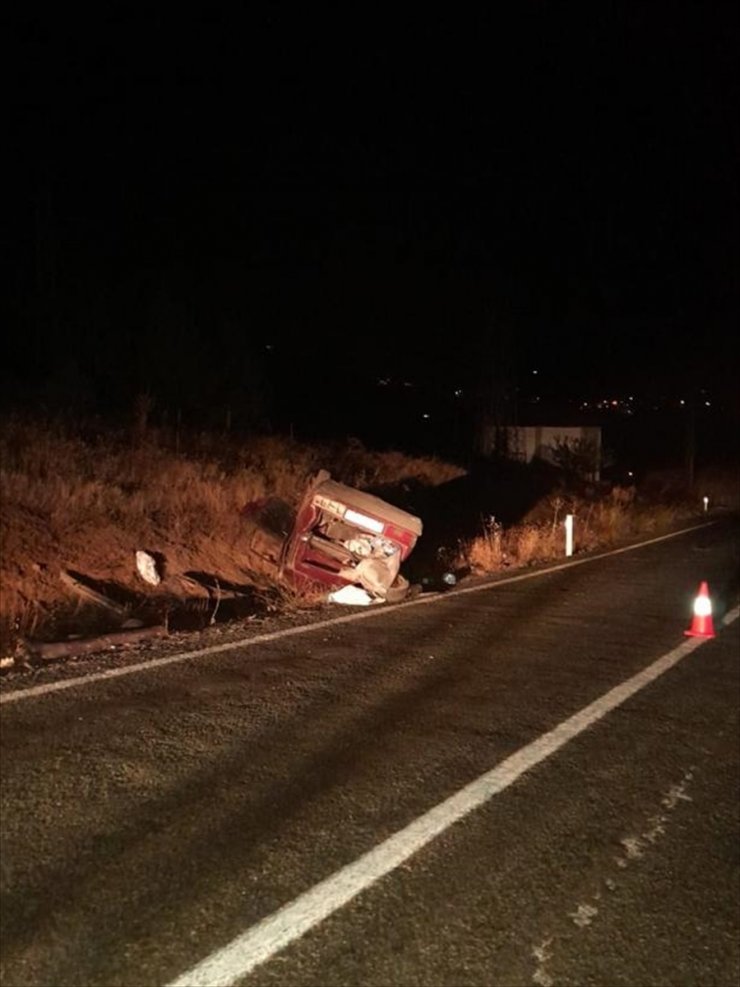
pixel 561 445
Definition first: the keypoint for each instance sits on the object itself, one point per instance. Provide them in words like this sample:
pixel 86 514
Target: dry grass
pixel 498 548
pixel 599 522
pixel 87 498
pixel 103 478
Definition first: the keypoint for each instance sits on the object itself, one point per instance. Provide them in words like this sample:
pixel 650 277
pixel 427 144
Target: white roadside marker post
pixel 706 504
pixel 568 534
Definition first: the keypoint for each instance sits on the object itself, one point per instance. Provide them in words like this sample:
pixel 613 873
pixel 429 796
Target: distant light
pixel 682 401
pixel 630 473
pixel 268 346
pixel 425 415
pixel 407 383
pixel 458 392
pixel 614 404
pixel 708 404
pixel 535 372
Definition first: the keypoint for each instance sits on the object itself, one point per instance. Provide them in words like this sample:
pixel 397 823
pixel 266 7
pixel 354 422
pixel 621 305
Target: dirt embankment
pixel 77 505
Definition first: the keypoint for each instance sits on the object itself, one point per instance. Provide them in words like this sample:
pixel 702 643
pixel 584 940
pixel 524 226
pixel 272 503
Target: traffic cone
pixel 702 625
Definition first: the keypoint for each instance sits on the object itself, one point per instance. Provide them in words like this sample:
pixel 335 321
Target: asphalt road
pixel 151 819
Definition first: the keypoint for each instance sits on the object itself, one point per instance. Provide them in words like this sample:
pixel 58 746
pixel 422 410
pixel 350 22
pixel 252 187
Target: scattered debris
pixel 583 915
pixel 43 651
pixel 543 955
pixel 354 596
pixel 215 587
pixel 439 583
pixel 146 566
pixel 74 583
pixel 677 793
pixel 633 846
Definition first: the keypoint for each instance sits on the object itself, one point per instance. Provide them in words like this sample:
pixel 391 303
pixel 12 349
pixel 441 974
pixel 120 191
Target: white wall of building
pixel 527 442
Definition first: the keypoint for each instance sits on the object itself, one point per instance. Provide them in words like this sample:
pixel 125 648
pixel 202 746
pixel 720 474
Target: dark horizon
pixel 272 216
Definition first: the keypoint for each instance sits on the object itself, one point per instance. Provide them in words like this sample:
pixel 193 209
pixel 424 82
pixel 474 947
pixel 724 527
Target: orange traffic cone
pixel 702 625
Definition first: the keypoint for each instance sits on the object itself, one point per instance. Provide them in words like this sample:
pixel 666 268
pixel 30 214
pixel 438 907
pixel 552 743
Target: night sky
pixel 276 212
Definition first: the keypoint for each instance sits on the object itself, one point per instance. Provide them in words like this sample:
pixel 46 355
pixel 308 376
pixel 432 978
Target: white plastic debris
pixel 147 568
pixel 353 596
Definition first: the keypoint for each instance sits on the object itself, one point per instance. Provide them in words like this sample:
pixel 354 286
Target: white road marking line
pixel 262 941
pixel 145 666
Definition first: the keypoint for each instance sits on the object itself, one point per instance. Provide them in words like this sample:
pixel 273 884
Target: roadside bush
pixel 605 518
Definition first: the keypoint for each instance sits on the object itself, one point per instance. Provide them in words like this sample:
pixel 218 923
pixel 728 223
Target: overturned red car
pixel 339 536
